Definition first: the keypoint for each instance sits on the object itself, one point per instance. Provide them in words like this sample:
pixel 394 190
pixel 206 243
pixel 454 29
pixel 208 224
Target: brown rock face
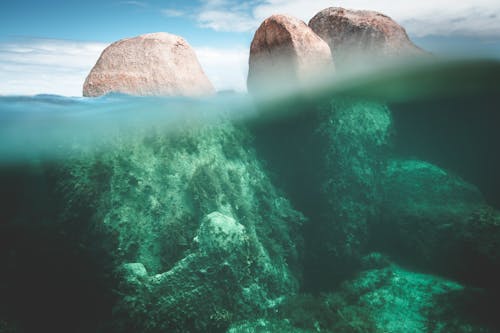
pixel 158 64
pixel 285 51
pixel 361 35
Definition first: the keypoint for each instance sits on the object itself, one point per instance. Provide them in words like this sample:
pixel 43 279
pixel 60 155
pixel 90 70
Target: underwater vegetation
pixel 332 219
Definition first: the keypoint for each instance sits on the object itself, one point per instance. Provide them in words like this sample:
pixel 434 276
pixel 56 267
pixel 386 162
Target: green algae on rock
pixel 211 239
pixel 352 140
pixel 205 239
pixel 387 298
pixel 356 136
pixel 436 220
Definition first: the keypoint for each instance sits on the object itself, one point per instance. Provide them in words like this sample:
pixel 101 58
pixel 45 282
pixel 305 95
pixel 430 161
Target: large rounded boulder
pixel 355 35
pixel 158 64
pixel 285 51
pixel 432 219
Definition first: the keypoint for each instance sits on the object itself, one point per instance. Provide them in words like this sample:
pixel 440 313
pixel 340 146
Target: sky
pixel 50 46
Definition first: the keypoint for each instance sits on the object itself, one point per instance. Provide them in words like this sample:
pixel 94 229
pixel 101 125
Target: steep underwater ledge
pixel 359 195
pixel 338 150
pixel 195 233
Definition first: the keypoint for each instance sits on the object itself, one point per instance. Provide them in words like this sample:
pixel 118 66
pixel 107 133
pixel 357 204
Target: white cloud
pixel 421 18
pixel 220 20
pixel 170 12
pixel 227 15
pixel 141 4
pixel 48 66
pixel 36 66
pixel 226 68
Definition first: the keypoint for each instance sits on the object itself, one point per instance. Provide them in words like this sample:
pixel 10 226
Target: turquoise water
pixel 365 202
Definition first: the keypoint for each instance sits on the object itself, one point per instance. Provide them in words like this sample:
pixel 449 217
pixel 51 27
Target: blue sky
pixel 108 20
pixel 49 46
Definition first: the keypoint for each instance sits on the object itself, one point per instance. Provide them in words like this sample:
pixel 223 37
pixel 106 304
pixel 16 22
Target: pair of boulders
pixel 286 51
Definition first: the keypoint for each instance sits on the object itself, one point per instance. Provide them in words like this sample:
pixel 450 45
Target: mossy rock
pixel 152 191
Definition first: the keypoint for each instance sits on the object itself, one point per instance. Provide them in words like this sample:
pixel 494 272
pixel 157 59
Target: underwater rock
pixel 221 233
pixel 385 299
pixel 134 270
pixel 398 300
pixel 435 220
pixel 357 35
pixel 150 64
pixel 225 279
pixel 265 326
pixel 198 213
pixel 285 51
pixel 355 137
pixel 329 162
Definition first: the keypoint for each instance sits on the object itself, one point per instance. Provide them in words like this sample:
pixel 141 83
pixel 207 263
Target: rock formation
pixel 285 51
pixel 381 298
pixel 355 138
pixel 436 220
pixel 151 64
pixel 339 152
pixel 204 236
pixel 356 35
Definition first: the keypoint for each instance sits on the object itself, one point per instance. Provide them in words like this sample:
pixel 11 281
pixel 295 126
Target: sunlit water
pixel 61 276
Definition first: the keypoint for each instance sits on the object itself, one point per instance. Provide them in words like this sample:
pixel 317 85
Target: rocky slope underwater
pixel 342 214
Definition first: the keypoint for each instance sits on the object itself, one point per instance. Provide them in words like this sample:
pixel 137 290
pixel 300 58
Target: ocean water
pixel 364 202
